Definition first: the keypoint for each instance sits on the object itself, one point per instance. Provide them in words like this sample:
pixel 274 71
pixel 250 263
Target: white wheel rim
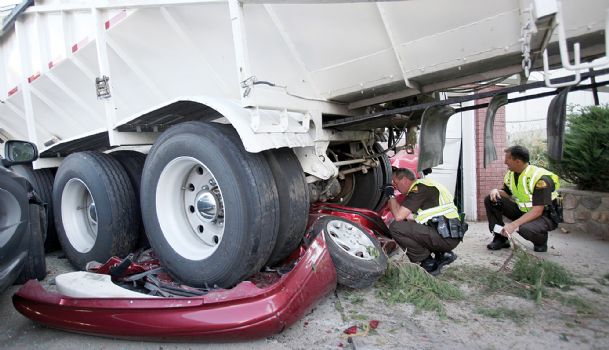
pixel 351 239
pixel 79 215
pixel 190 208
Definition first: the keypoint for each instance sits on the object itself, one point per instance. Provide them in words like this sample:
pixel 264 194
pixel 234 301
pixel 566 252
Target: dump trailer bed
pixel 308 58
pixel 226 103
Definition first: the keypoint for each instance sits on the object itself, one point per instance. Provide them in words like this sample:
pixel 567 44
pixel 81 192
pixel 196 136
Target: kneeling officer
pixel 426 222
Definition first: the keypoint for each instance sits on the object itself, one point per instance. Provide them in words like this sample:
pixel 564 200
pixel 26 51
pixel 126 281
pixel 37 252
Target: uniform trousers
pixel 535 231
pixel 419 240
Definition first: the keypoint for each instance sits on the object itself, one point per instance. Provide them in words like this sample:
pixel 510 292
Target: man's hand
pixel 508 229
pixel 495 195
pixel 388 191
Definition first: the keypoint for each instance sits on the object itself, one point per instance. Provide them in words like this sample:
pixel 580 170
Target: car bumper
pixel 243 312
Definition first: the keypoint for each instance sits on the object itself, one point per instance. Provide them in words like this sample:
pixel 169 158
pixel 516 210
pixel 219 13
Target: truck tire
pixel 293 201
pixel 386 174
pixel 357 255
pixel 366 188
pixel 133 163
pixel 210 208
pixel 35 266
pixel 95 208
pixel 42 182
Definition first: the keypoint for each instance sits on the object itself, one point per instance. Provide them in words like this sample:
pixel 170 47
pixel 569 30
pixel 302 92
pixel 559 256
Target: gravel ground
pixel 550 325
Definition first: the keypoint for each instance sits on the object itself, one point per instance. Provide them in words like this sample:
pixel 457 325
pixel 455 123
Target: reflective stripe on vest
pixel 445 208
pixel 522 192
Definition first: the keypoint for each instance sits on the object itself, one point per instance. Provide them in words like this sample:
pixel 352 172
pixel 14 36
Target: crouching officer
pixel 529 198
pixel 426 222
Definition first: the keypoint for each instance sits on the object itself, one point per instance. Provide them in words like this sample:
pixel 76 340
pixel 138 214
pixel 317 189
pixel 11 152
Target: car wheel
pixel 293 201
pixel 35 266
pixel 95 208
pixel 210 208
pixel 133 163
pixel 357 255
pixel 42 182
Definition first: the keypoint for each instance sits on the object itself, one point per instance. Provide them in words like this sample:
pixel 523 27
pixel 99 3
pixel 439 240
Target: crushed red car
pixel 264 305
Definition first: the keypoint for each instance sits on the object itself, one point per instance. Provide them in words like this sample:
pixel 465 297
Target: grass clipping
pixel 405 282
pixel 539 273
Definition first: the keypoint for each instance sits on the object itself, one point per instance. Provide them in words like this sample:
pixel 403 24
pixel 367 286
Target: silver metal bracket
pixel 102 88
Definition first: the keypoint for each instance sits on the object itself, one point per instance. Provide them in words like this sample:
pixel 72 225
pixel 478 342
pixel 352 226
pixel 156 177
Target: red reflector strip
pixel 33 77
pixel 13 91
pixel 80 44
pixel 117 18
pixel 55 62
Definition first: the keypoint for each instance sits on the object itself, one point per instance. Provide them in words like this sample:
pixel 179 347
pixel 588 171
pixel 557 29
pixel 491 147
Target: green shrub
pixel 585 160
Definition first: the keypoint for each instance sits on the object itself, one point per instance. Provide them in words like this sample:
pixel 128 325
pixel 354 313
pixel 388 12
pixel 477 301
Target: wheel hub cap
pixel 352 240
pixel 92 213
pixel 207 205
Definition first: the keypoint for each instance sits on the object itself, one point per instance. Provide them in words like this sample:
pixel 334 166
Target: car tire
pixel 293 201
pixel 197 175
pixel 133 163
pixel 357 255
pixel 35 266
pixel 95 208
pixel 42 182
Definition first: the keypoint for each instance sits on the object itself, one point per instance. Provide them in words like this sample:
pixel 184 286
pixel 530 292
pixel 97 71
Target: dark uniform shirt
pixel 542 195
pixel 421 197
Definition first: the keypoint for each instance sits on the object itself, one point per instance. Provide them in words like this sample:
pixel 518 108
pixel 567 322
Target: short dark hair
pixel 518 152
pixel 401 172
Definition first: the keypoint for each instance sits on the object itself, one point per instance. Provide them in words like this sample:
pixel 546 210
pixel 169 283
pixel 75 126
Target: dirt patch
pixel 505 317
pixel 565 319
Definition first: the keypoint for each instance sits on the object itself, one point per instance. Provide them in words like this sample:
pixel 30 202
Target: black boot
pixel 541 247
pixel 430 265
pixel 499 242
pixel 446 258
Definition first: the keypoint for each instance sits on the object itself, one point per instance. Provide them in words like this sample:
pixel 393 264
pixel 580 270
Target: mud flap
pixel 490 153
pixel 557 115
pixel 433 136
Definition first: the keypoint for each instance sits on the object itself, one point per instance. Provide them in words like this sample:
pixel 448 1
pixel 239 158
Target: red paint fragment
pixel 351 330
pixel 373 324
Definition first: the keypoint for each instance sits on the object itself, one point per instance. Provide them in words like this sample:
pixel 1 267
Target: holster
pixel 449 228
pixel 554 211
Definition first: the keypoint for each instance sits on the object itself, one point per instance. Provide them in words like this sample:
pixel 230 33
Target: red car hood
pixel 243 312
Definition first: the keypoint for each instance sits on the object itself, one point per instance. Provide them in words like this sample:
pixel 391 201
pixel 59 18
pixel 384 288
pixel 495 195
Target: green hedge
pixel 585 160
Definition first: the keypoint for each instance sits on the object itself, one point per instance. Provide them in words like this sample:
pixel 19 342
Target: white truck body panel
pixel 324 57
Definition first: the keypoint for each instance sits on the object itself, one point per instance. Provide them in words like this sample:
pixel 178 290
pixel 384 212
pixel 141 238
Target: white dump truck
pixel 236 115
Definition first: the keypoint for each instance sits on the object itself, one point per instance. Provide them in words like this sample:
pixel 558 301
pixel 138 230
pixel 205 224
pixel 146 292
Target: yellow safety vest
pixel 522 192
pixel 446 207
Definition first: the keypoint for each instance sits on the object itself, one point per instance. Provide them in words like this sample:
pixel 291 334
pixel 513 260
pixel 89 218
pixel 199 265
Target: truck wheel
pixel 35 264
pixel 95 208
pixel 210 208
pixel 365 189
pixel 386 174
pixel 42 182
pixel 133 163
pixel 293 201
pixel 357 256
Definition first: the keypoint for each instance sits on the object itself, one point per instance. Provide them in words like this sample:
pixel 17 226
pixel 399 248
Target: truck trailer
pixel 206 128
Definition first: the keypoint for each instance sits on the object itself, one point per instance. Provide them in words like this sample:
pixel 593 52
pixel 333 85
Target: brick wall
pixel 491 176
